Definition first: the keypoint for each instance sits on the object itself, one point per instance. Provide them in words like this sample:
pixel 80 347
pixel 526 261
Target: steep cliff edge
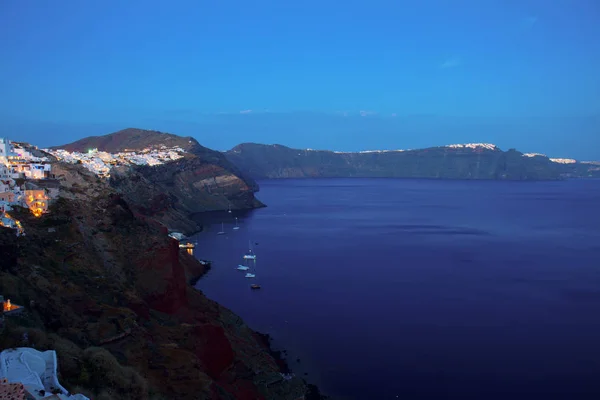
pixel 470 161
pixel 202 180
pixel 107 289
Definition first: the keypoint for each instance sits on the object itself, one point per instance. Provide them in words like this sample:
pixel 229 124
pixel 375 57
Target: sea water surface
pixel 419 289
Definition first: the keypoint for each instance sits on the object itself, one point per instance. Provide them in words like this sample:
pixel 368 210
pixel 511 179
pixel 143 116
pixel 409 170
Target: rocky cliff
pixel 480 161
pixel 174 192
pixel 108 290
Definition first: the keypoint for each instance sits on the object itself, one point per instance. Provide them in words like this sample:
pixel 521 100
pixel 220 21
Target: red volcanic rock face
pixel 162 279
pixel 214 350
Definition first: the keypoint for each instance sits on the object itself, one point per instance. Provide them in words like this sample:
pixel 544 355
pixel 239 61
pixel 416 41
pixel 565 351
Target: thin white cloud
pixel 245 111
pixel 451 63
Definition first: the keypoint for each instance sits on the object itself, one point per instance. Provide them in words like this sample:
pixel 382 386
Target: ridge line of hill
pixel 459 161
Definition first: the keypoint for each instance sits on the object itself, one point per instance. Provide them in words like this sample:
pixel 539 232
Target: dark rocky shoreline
pixel 266 339
pixel 109 283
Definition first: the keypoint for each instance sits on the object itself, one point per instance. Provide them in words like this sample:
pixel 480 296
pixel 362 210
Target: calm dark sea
pixel 419 289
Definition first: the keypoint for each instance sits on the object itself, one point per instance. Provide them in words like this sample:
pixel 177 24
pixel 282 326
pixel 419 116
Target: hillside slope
pixel 108 290
pixel 471 161
pixel 173 192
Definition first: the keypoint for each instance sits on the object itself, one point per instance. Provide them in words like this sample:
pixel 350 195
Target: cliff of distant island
pixel 479 161
pixel 178 192
pixel 105 286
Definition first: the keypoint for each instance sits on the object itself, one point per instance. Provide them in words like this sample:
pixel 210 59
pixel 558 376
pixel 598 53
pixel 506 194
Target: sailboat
pixel 222 232
pixel 249 255
pixel 254 286
pixel 236 227
pixel 250 275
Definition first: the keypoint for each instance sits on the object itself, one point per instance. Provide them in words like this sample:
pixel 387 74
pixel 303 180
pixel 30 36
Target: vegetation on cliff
pixel 106 288
pixel 477 162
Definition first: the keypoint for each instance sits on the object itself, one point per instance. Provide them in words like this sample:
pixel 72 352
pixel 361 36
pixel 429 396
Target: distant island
pixel 457 161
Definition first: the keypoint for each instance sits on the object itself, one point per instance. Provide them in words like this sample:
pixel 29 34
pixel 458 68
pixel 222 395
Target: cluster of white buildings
pixel 16 161
pixel 556 160
pixel 18 165
pixel 100 162
pixel 367 151
pixel 20 168
pixel 534 155
pixel 563 160
pixel 487 146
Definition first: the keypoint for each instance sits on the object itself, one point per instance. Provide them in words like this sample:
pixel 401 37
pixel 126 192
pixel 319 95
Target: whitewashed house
pixel 38 170
pixel 5 206
pixel 4 172
pixel 6 149
pixel 18 162
pixel 7 196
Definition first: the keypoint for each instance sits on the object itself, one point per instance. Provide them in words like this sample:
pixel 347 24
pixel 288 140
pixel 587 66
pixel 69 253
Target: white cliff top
pixel 369 151
pixel 556 160
pixel 534 155
pixel 487 146
pixel 563 160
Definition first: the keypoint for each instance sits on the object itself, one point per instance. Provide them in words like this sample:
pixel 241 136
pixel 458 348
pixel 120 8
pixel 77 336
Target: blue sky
pixel 520 74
